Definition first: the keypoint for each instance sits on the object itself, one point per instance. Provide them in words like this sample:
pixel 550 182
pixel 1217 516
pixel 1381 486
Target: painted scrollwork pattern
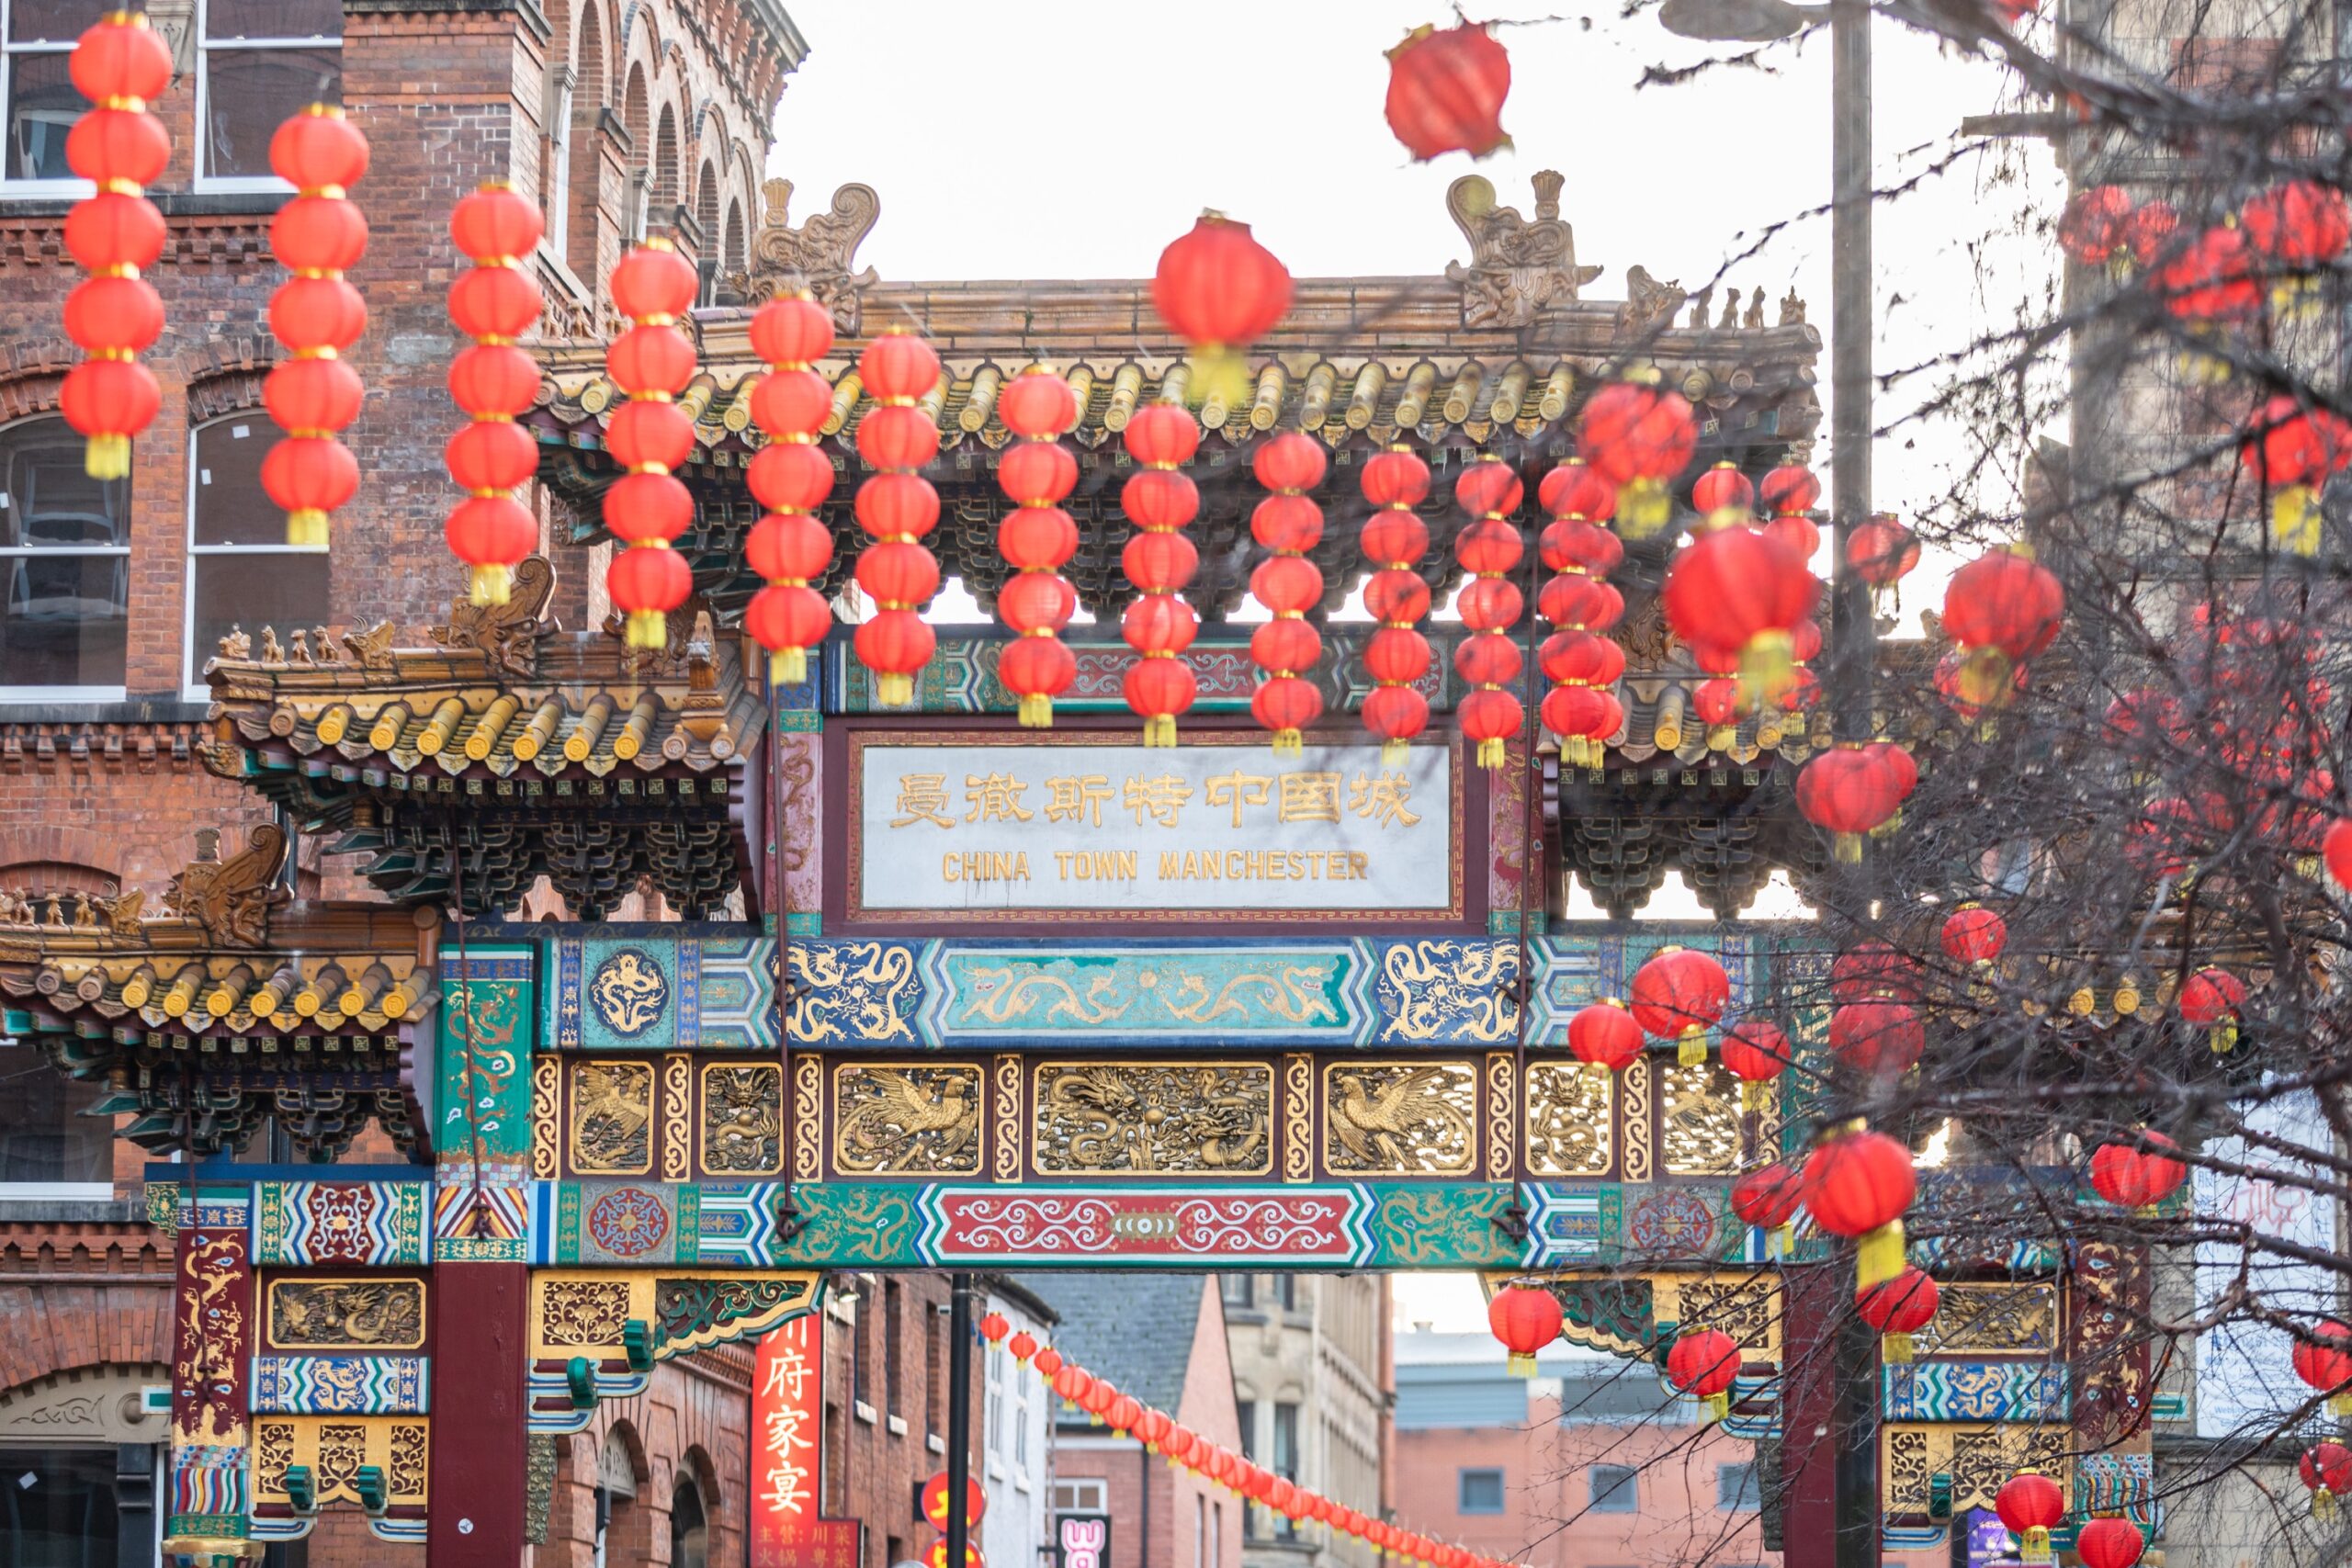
pixel 742 1118
pixel 583 1312
pixel 1298 1117
pixel 2000 1319
pixel 1743 1308
pixel 1501 1123
pixel 611 1118
pixel 1979 1460
pixel 343 1449
pixel 404 1477
pixel 1701 1121
pixel 273 1454
pixel 1400 1118
pixel 1004 1160
pixel 1907 1472
pixel 1153 1118
pixel 546 1089
pixel 1567 1120
pixel 1448 989
pixel 808 1096
pixel 326 1315
pixel 677 1082
pixel 1634 1085
pixel 907 1120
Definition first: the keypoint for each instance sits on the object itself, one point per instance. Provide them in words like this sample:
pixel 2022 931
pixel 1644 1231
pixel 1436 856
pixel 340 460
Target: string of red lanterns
pixel 1036 538
pixel 898 507
pixel 316 315
pixel 1184 1448
pixel 1581 663
pixel 1288 524
pixel 114 315
pixel 790 477
pixel 1490 606
pixel 649 437
pixel 490 531
pixel 1396 656
pixel 1159 558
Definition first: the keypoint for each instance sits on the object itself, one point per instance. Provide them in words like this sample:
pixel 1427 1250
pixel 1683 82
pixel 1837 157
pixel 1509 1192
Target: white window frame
pixel 11 553
pixel 30 189
pixel 1082 1494
pixel 201 22
pixel 13 1192
pixel 193 688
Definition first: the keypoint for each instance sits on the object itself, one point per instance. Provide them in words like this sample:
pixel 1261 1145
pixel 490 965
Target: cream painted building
pixel 1313 1375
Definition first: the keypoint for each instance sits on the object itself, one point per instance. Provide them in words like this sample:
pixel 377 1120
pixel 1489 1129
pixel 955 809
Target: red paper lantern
pixel 1679 995
pixel 1160 501
pixel 1396 656
pixel 994 1327
pixel 1734 588
pixel 1754 1051
pixel 489 455
pixel 1974 935
pixel 1767 1196
pixel 1036 540
pixel 1883 551
pixel 2300 225
pixel 2094 226
pixel 315 396
pixel 119 57
pixel 493 379
pixel 1859 1185
pixel 1023 1344
pixel 319 233
pixel 650 436
pixel 1489 605
pixel 1704 1364
pixel 1525 1318
pixel 1217 287
pixel 493 382
pixel 1871 969
pixel 2030 1506
pixel 2325 1362
pixel 317 150
pixel 1577 489
pixel 897 506
pixel 2136 1178
pixel 1899 1308
pixel 316 315
pixel 114 230
pixel 2108 1544
pixel 495 224
pixel 1604 1036
pixel 2211 282
pixel 2326 1468
pixel 1639 437
pixel 1847 791
pixel 790 547
pixel 1723 488
pixel 1881 1038
pixel 2214 1000
pixel 1287 584
pixel 1446 91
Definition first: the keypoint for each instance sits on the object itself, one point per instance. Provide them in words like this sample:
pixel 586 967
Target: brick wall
pixel 880 1451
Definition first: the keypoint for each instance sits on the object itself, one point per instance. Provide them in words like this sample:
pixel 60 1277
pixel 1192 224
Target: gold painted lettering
pixel 1309 797
pixel 1381 799
pixel 1076 797
pixel 995 798
pixel 1237 789
pixel 1160 799
pixel 922 797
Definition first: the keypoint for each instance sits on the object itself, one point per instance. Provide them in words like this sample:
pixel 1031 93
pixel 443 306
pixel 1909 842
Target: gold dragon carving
pixel 1148 1117
pixel 1400 1118
pixel 330 1315
pixel 1567 1120
pixel 742 1118
pixel 891 1121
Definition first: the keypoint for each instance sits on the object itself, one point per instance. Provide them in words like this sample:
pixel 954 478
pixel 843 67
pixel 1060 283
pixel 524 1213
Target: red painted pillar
pixel 1808 1415
pixel 481 1361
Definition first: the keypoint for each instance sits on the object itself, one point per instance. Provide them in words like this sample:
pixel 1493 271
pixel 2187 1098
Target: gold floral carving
pixel 612 1118
pixel 273 1453
pixel 1748 1308
pixel 1999 1319
pixel 1298 1117
pixel 547 1116
pixel 894 1121
pixel 335 1315
pixel 1701 1120
pixel 1980 1461
pixel 742 1118
pixel 1567 1120
pixel 677 1083
pixel 807 1100
pixel 1502 1126
pixel 1400 1118
pixel 336 1448
pixel 583 1312
pixel 1005 1160
pixel 343 1449
pixel 1150 1118
pixel 405 1476
pixel 1634 1085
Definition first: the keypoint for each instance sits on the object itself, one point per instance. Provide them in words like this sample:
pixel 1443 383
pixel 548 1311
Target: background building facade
pixel 1310 1381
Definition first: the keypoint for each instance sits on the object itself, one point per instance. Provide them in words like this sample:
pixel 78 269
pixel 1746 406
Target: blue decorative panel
pixel 340 1385
pixel 981 994
pixel 1974 1390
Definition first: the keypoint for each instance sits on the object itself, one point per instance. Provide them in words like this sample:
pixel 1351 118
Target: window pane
pixel 60 1507
pixel 41 1137
pixel 248 93
pixel 1482 1492
pixel 1614 1490
pixel 63 620
pixel 1735 1487
pixel 231 506
pixel 42 105
pixel 280 590
pixel 49 21
pixel 49 500
pixel 273 19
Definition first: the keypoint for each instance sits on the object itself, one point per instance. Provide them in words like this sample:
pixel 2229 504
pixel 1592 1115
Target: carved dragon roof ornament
pixel 817 256
pixel 1516 267
pixel 507 634
pixel 231 898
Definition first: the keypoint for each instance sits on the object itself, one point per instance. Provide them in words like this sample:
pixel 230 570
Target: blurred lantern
pixel 1973 690
pixel 1639 437
pixel 120 65
pixel 2214 1000
pixel 1871 969
pixel 2211 282
pixel 2294 451
pixel 2000 609
pixel 316 315
pixel 896 507
pixel 1578 490
pixel 1446 91
pixel 1883 552
pixel 2325 1363
pixel 1036 538
pixel 1579 661
pixel 994 1327
pixel 1219 290
pixel 490 531
pixel 1490 606
pixel 1123 1415
pixel 2030 1506
pixel 2326 1468
pixel 1847 791
pixel 1723 488
pixel 1899 1308
pixel 2093 230
pixel 1049 1363
pixel 2108 1544
pixel 1881 1038
pixel 1153 1427
pixel 1023 1344
pixel 2336 850
pixel 1859 1185
pixel 2136 1178
pixel 649 437
pixel 1525 1318
pixel 2297 228
pixel 1768 1198
pixel 1704 1364
pixel 1396 656
pixel 1734 588
pixel 1974 935
pixel 1679 995
pixel 2149 233
pixel 1788 494
pixel 1755 1052
pixel 790 547
pixel 1160 499
pixel 1288 524
pixel 1604 1036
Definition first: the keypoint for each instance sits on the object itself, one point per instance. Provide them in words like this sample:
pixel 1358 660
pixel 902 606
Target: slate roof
pixel 1135 1329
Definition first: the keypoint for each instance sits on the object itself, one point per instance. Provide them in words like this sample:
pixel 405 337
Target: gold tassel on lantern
pixel 2339 1405
pixel 1490 752
pixel 1751 1095
pixel 1879 1258
pixel 2224 1035
pixel 894 690
pixel 1718 1407
pixel 1780 1242
pixel 1643 507
pixel 106 457
pixel 2323 1505
pixel 1846 848
pixel 1036 710
pixel 787 666
pixel 2036 1546
pixel 1288 743
pixel 1894 1349
pixel 2296 521
pixel 1691 1051
pixel 1393 752
pixel 489 584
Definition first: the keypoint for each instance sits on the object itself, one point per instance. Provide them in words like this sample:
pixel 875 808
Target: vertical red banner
pixel 787 1526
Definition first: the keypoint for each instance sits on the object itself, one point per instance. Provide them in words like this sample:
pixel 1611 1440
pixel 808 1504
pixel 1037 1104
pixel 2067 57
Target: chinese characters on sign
pixel 787 1422
pixel 1019 832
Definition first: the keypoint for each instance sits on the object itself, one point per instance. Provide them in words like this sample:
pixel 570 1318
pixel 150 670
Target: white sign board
pixel 2245 1379
pixel 1068 826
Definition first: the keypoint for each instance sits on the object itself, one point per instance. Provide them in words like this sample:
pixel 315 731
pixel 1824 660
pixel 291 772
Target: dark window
pixel 861 1361
pixel 1240 1289
pixel 1285 1291
pixel 893 1376
pixel 41 102
pixel 1480 1491
pixel 244 576
pixel 1735 1488
pixel 935 1382
pixel 263 60
pixel 1285 1446
pixel 43 1136
pixel 1615 1489
pixel 1245 1412
pixel 65 554
pixel 58 1508
pixel 689 1532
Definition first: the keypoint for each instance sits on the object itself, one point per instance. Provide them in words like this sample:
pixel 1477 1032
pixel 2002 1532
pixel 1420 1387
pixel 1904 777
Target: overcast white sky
pixel 1076 138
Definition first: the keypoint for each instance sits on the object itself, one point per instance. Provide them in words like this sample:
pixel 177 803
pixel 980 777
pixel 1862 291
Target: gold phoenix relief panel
pixel 742 1118
pixel 1995 1319
pixel 1400 1118
pixel 1154 1118
pixel 1980 1461
pixel 907 1119
pixel 1567 1120
pixel 346 1315
pixel 334 1448
pixel 610 1120
pixel 1700 1120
